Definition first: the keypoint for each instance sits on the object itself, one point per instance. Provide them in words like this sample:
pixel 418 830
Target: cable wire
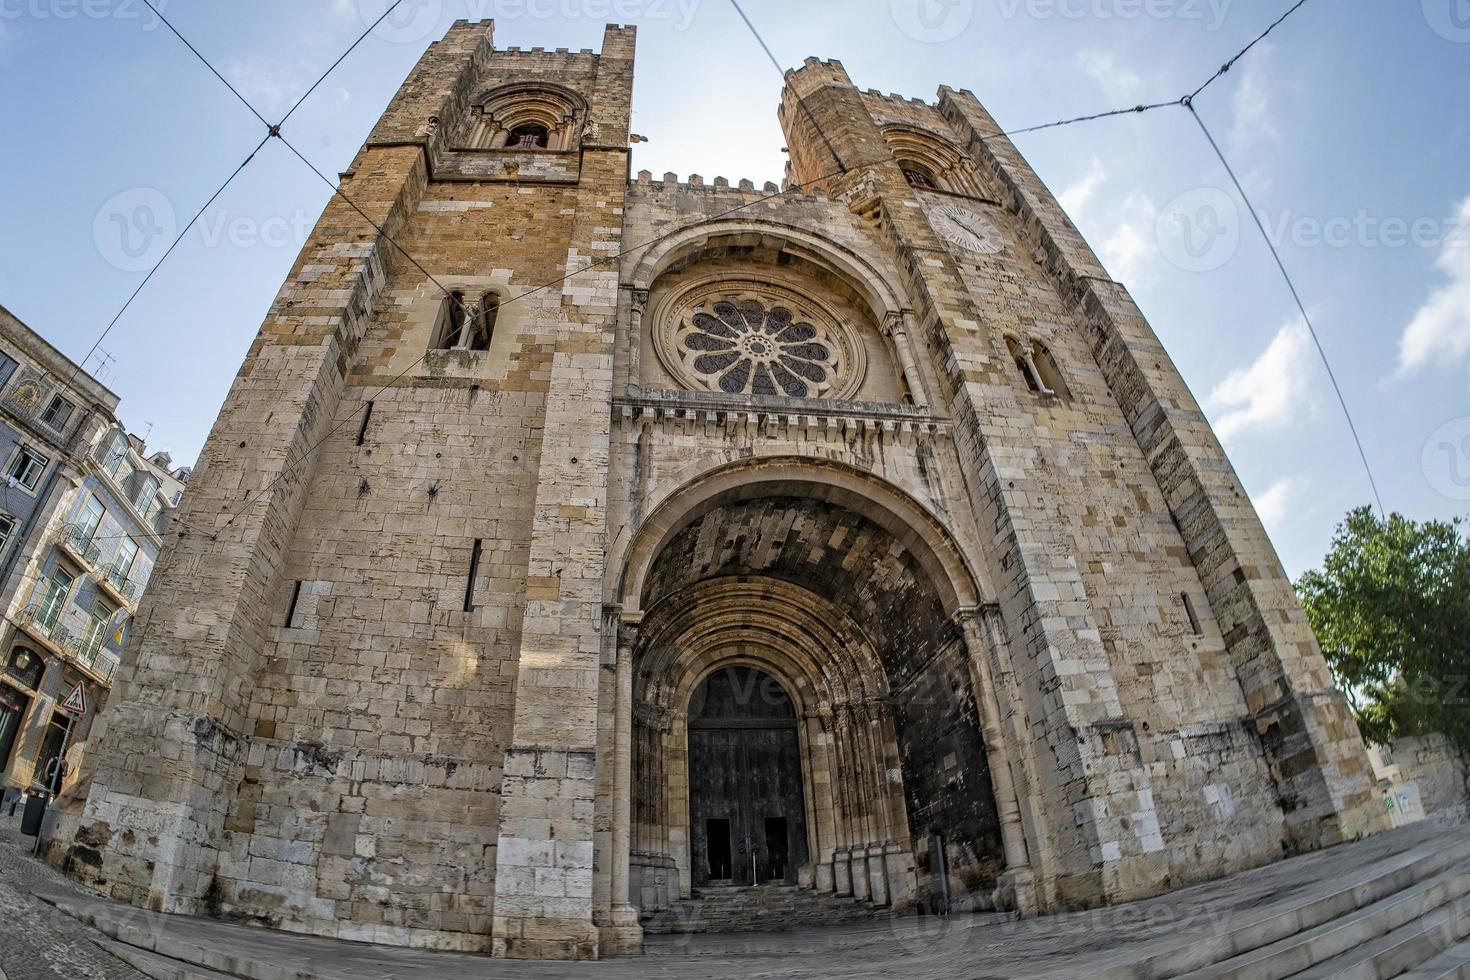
pixel 1341 400
pixel 842 168
pixel 243 101
pixel 163 258
pixel 314 85
pixel 1245 50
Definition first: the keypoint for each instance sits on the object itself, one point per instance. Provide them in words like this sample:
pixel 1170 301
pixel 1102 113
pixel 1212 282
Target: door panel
pixel 745 768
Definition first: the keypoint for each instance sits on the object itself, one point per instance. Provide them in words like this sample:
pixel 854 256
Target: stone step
pixel 157 967
pixel 1452 964
pixel 1333 900
pixel 1403 949
pixel 1342 934
pixel 769 908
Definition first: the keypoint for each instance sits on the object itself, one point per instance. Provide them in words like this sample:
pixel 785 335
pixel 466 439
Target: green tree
pixel 1391 608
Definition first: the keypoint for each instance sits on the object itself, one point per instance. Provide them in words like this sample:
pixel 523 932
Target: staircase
pixel 767 908
pixel 1408 917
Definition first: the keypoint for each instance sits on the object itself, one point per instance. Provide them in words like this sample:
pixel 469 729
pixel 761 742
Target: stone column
pixel 622 933
pixel 1019 877
pixel 895 325
pixel 638 300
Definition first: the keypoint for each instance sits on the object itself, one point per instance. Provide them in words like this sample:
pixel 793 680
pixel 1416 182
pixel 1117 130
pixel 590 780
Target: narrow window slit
pixel 1193 616
pixel 367 416
pixel 469 587
pixel 291 609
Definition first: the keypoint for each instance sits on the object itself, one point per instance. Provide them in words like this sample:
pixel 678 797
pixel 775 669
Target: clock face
pixel 966 229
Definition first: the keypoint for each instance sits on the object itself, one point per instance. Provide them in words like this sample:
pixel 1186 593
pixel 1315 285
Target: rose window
pixel 761 341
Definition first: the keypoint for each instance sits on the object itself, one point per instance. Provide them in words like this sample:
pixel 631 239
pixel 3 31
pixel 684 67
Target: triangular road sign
pixel 76 701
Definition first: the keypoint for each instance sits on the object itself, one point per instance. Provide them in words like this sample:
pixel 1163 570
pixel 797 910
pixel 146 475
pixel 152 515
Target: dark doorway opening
pixel 717 837
pixel 778 849
pixel 745 784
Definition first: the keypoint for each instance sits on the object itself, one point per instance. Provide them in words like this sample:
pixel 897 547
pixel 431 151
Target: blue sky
pixel 1345 125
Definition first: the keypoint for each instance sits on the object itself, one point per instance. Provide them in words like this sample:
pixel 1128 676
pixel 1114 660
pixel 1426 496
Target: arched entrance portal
pixel 746 802
pixel 851 611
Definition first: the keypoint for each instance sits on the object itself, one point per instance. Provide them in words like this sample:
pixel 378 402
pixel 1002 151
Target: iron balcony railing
pixel 79 539
pixel 118 579
pixel 45 616
pixel 90 645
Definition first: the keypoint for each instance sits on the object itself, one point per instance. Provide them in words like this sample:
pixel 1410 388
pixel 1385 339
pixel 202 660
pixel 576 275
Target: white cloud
pixel 1272 506
pixel 269 86
pixel 1075 197
pixel 1271 391
pixel 1251 105
pixel 1121 84
pixel 1440 330
pixel 1129 251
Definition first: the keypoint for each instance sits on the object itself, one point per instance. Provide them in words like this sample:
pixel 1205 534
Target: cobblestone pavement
pixel 37 942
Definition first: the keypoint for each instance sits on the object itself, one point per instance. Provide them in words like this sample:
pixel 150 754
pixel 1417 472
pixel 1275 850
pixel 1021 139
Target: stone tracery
pixel 745 338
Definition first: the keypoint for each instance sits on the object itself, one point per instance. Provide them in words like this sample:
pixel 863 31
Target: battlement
pixel 696 184
pixel 896 99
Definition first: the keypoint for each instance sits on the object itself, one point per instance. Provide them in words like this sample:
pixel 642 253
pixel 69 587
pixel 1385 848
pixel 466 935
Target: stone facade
pixel 1422 778
pixel 452 571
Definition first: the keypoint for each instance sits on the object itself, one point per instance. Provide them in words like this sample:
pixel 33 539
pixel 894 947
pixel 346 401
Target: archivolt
pixel 913 526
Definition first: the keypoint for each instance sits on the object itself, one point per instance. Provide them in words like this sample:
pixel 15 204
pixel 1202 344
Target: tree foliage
pixel 1391 608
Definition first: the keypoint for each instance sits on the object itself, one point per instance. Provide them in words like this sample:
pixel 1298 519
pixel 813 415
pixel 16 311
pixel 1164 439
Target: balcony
pixel 42 619
pixel 88 650
pixel 77 539
pixel 116 580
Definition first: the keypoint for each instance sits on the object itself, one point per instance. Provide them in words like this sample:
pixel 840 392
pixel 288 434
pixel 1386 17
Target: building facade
pixel 862 539
pixel 82 519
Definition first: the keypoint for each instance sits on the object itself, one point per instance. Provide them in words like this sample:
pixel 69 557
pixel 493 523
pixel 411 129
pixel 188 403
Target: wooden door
pixel 745 791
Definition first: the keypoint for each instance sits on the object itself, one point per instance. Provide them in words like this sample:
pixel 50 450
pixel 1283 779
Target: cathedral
pixel 576 543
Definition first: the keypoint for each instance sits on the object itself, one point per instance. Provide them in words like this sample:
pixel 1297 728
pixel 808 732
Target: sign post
pixel 75 706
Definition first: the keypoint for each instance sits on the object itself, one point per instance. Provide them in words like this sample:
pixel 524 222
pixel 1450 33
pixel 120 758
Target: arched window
pixel 26 666
pixel 1037 365
pixel 449 328
pixel 529 137
pixel 483 329
pixel 930 161
pixel 917 176
pixel 527 116
pixel 1048 370
pixel 1023 363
